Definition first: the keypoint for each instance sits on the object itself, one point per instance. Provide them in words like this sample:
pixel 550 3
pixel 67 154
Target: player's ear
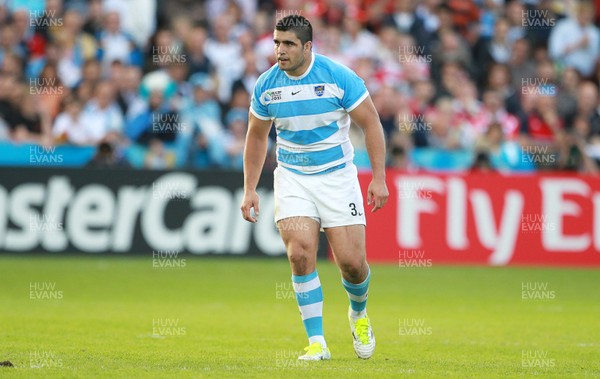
pixel 308 46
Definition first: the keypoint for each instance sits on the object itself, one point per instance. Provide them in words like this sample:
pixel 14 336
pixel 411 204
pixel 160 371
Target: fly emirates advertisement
pixel 490 219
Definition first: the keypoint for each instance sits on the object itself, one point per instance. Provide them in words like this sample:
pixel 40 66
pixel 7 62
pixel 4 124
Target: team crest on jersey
pixel 319 90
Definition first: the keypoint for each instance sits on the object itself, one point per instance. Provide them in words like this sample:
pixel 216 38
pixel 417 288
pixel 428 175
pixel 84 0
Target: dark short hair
pixel 297 24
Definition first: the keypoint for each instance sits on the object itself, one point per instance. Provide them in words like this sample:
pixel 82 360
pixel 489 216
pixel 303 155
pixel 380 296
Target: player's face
pixel 290 53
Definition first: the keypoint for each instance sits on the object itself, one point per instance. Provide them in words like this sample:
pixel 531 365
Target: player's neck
pixel 302 69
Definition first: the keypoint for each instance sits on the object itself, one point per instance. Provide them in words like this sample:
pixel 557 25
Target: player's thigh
pixel 348 245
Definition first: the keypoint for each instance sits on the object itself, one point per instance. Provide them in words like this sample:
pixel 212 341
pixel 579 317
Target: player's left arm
pixel 366 117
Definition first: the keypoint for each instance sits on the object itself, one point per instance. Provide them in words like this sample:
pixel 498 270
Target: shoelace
pixel 362 330
pixel 313 348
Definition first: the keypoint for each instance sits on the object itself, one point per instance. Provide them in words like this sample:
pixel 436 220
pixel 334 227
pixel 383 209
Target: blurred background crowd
pixel 459 84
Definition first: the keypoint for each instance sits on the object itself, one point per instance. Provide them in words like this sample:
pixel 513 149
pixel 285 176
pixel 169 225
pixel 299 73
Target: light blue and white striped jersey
pixel 310 113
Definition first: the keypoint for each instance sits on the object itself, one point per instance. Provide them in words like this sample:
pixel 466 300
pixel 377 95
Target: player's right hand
pixel 249 202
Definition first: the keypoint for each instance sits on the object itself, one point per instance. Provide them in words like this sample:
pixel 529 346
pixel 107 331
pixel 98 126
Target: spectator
pixel 240 98
pixel 198 61
pixel 445 130
pixel 250 76
pixel 469 112
pixel 163 50
pixel 390 66
pixel 420 104
pixel 235 137
pixel 226 54
pixel 450 49
pixel 8 42
pixel 95 18
pixel 541 22
pixel 29 122
pixel 129 99
pixel 426 12
pixel 406 21
pixel 503 155
pixel 203 115
pixel 157 122
pixel 482 163
pixel 75 47
pixel 499 79
pixel 23 33
pixel 157 157
pixel 399 146
pixel 464 14
pixel 575 41
pixel 494 112
pixel 140 27
pixel 115 44
pixel 104 113
pixel 544 122
pixel 386 101
pixel 178 73
pixel 7 83
pixel 48 90
pixel 107 158
pixel 520 63
pixel 491 11
pixel 567 95
pixel 12 64
pixel 587 104
pixel 357 42
pixel 515 13
pixel 493 50
pixel 414 61
pixel 72 127
pixel 571 153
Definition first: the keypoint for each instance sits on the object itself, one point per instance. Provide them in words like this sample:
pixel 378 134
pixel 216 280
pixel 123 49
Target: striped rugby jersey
pixel 310 113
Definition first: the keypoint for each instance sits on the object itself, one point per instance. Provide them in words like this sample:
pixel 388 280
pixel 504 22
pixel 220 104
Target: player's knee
pixel 353 268
pixel 300 254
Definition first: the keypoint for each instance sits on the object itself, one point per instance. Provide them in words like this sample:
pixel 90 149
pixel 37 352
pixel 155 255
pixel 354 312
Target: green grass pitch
pixel 122 318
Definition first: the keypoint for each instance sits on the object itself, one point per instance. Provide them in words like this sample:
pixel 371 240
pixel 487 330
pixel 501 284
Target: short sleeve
pixel 354 88
pixel 257 107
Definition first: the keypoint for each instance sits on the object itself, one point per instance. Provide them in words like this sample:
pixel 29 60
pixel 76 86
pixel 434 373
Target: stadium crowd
pixel 459 84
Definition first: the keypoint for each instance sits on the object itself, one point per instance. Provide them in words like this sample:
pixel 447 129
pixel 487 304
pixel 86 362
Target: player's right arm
pixel 255 152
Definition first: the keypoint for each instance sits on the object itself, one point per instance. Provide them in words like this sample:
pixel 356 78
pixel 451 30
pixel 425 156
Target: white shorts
pixel 332 199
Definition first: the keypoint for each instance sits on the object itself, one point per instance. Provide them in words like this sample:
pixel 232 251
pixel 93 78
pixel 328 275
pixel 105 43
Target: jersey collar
pixel 312 62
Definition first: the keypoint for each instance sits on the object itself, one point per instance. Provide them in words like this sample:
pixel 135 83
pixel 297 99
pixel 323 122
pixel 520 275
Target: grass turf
pixel 238 318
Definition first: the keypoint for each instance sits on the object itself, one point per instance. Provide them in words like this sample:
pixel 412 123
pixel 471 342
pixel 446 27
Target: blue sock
pixel 310 301
pixel 358 294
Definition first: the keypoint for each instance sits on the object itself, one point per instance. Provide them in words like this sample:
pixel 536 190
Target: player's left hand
pixel 377 194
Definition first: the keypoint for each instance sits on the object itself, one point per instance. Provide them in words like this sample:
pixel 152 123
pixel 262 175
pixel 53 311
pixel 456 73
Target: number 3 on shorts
pixel 353 212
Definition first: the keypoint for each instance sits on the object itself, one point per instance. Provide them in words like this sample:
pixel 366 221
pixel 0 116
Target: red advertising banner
pixel 490 219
